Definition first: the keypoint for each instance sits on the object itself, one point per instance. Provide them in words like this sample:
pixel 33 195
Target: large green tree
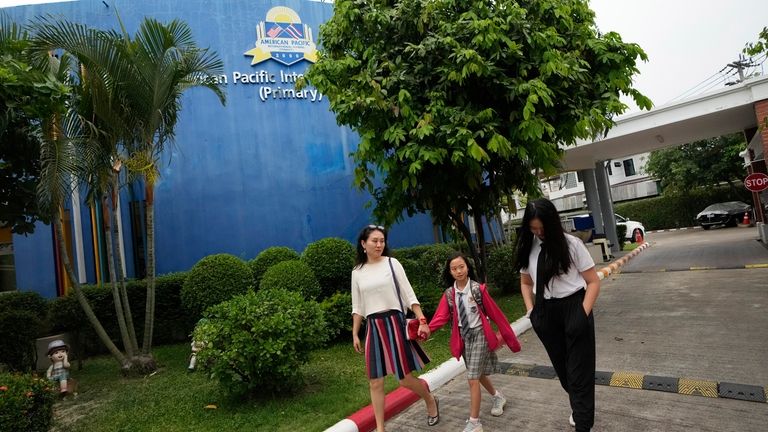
pixel 27 95
pixel 459 103
pixel 701 163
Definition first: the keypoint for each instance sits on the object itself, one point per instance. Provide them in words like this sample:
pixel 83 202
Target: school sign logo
pixel 282 37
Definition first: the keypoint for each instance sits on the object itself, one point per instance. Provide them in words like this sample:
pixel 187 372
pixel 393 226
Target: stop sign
pixel 756 182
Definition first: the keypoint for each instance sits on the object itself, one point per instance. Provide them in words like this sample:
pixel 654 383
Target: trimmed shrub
pixel 20 324
pixel 411 253
pixel 294 276
pixel 501 273
pixel 269 257
pixel 338 315
pixel 18 330
pixel 214 279
pixel 621 234
pixel 331 259
pixel 424 286
pixel 433 261
pixel 26 403
pixel 257 342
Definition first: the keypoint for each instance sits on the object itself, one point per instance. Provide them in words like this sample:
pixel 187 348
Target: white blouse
pixel 373 289
pixel 568 283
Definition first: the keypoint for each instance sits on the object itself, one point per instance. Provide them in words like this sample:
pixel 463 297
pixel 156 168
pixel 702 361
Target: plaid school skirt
pixel 478 358
pixel 387 351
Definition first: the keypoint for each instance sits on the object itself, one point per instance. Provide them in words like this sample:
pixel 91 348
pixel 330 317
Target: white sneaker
pixel 571 422
pixel 473 427
pixel 499 402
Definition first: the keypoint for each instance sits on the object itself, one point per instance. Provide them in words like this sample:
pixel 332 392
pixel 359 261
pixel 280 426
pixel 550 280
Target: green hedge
pixel 677 211
pixel 21 322
pixel 212 280
pixel 501 273
pixel 338 316
pixel 331 259
pixel 26 403
pixel 424 285
pixel 172 324
pixel 269 257
pixel 294 276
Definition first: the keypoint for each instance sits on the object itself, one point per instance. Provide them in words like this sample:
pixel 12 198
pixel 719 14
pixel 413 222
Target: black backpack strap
pixel 449 296
pixel 474 288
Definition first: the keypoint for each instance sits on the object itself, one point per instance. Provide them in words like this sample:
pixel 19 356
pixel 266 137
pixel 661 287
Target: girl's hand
pixel 356 343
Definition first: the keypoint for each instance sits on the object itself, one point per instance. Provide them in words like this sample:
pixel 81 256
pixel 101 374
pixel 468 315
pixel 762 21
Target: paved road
pixel 696 248
pixel 709 326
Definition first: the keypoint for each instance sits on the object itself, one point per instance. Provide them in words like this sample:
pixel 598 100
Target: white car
pixel 633 227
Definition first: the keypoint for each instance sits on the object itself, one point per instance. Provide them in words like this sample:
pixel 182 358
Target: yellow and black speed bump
pixel 685 386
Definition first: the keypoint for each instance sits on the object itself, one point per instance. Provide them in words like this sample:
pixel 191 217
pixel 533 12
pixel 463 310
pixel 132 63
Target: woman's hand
pixel 424 330
pixel 356 343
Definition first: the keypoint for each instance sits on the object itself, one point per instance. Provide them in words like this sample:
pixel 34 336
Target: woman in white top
pixel 374 297
pixel 557 268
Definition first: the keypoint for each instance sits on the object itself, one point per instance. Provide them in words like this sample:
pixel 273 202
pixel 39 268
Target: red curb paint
pixel 394 402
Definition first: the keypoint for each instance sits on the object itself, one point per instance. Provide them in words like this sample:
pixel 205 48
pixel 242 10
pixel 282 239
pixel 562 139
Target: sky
pixel 687 41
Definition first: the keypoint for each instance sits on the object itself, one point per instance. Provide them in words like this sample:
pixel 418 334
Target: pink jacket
pixel 443 314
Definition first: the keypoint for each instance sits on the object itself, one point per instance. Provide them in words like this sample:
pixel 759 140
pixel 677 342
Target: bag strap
pixel 397 285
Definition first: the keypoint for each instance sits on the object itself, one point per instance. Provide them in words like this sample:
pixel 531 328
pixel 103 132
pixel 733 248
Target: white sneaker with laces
pixel 473 427
pixel 499 402
pixel 571 422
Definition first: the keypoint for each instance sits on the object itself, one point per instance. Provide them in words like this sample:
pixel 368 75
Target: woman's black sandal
pixel 431 421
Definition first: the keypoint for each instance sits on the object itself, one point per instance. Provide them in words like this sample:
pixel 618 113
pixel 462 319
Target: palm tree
pixel 129 97
pixel 167 63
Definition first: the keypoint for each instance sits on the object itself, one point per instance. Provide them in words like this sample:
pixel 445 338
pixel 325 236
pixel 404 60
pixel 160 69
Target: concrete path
pixel 709 326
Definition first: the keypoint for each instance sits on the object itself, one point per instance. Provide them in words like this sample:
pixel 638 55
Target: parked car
pixel 585 222
pixel 725 213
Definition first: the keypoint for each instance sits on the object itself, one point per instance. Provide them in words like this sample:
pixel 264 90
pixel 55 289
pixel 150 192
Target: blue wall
pixel 253 173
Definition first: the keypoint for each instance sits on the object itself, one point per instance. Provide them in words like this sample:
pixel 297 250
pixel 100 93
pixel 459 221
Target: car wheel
pixel 705 227
pixel 734 221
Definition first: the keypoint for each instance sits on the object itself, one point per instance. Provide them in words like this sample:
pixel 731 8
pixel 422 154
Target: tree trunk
pixel 504 238
pixel 119 265
pixel 119 311
pixel 489 222
pixel 149 317
pixel 92 318
pixel 481 243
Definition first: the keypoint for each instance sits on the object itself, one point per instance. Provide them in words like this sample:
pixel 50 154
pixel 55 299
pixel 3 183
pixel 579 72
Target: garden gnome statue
pixel 196 347
pixel 59 368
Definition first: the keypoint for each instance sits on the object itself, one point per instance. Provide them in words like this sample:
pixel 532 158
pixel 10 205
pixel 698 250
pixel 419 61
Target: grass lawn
pixel 174 400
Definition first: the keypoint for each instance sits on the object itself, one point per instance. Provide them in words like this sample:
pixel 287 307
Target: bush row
pixel 676 211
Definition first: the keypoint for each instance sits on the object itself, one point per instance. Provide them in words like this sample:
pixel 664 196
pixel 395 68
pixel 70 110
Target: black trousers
pixel 568 335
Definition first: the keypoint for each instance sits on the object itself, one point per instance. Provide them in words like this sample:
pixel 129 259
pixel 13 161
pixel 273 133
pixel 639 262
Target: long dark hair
pixel 360 256
pixel 555 244
pixel 448 277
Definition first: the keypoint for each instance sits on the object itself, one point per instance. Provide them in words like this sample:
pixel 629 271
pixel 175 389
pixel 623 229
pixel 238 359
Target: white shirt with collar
pixel 568 283
pixel 470 305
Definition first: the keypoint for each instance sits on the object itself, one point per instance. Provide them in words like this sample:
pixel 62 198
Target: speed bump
pixel 697 387
pixel 659 383
pixel 627 379
pixel 741 392
pixel 684 386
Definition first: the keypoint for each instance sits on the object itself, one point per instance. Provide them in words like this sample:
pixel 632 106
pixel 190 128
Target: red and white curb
pixel 614 266
pixel 401 398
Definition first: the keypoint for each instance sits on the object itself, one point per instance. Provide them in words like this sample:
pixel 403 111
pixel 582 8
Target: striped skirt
pixel 387 351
